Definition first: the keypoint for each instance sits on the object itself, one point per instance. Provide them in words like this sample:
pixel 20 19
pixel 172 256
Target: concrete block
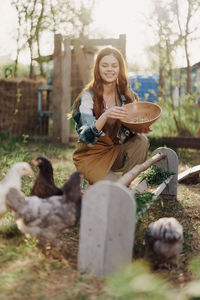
pixel 107 228
pixel 170 163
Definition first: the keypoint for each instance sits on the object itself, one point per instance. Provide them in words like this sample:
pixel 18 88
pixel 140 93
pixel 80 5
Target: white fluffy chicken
pixel 45 219
pixel 13 179
pixel 164 239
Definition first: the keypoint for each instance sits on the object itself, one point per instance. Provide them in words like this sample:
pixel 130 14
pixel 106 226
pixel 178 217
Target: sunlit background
pixel 109 19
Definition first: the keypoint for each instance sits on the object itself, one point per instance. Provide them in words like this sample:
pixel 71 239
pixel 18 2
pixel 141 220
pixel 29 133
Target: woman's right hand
pixel 116 112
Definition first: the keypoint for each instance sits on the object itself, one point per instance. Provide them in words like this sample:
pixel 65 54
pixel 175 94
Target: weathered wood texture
pixel 170 163
pixel 57 88
pixel 107 228
pixel 80 59
pixel 66 95
pixel 178 142
pixel 188 174
pixel 127 178
pixel 119 43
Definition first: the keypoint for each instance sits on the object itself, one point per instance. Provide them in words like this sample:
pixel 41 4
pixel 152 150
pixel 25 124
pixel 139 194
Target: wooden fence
pixel 18 106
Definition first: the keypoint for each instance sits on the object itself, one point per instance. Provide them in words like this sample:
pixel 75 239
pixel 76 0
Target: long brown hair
pixel 96 85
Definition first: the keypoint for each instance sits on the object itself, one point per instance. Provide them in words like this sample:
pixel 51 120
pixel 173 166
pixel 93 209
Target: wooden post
pixel 80 57
pixel 122 43
pixel 66 95
pixel 57 88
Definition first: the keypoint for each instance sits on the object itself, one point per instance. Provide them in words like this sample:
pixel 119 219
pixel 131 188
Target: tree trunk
pixel 37 35
pixel 188 82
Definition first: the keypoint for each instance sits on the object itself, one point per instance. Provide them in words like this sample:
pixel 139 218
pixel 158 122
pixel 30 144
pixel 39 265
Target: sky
pixel 111 18
pixel 126 17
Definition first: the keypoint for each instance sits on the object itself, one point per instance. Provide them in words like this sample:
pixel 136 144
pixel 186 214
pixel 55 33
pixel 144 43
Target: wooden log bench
pixel 108 217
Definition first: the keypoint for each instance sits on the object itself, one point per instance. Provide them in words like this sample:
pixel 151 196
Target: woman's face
pixel 109 68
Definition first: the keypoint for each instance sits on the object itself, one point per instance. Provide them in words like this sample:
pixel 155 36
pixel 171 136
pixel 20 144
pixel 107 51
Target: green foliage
pixel 22 148
pixel 8 227
pixel 136 282
pixel 22 69
pixel 143 200
pixel 186 114
pixel 155 176
pixel 194 266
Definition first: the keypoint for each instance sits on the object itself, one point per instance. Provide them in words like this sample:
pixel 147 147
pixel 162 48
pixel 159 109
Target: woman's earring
pixel 117 81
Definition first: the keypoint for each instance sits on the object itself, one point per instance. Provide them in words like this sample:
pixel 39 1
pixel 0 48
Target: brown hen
pixel 44 185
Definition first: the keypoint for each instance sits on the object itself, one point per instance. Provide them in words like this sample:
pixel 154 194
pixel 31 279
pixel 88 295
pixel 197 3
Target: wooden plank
pixel 169 186
pixel 170 163
pixel 96 42
pixel 127 178
pixel 179 141
pixel 189 173
pixel 158 191
pixel 66 95
pixel 81 61
pixel 57 88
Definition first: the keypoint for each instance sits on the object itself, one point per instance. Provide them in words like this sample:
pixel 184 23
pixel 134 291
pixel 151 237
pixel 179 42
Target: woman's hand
pixel 116 112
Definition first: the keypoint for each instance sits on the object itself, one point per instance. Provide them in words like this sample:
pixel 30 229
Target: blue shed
pixel 146 86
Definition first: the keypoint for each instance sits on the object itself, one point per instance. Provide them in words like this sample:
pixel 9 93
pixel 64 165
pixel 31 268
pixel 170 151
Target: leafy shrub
pixel 181 120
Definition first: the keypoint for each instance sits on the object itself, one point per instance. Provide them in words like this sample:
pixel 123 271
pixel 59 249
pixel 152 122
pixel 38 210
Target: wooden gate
pixel 62 79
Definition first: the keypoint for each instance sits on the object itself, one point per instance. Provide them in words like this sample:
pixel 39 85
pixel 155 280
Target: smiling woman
pixel 101 148
pixel 109 68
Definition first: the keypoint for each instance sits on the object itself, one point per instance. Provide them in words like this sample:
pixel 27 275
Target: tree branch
pixel 127 178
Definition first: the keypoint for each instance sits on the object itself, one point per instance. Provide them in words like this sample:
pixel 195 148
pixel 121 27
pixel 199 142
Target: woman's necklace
pixel 110 101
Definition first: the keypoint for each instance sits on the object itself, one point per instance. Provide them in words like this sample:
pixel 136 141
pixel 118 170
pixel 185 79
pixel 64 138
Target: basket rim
pixel 144 122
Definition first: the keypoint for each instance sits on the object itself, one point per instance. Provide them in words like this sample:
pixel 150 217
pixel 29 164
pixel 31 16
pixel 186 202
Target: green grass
pixel 21 149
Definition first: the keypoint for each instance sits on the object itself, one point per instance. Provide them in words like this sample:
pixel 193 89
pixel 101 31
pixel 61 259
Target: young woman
pixel 103 146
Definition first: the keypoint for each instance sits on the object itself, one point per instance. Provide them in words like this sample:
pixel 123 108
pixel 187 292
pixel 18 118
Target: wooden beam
pixel 122 44
pixel 66 95
pixel 57 88
pixel 127 178
pixel 96 42
pixel 81 61
pixel 189 174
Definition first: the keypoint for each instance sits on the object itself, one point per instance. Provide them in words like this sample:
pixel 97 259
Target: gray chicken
pixel 164 239
pixel 45 219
